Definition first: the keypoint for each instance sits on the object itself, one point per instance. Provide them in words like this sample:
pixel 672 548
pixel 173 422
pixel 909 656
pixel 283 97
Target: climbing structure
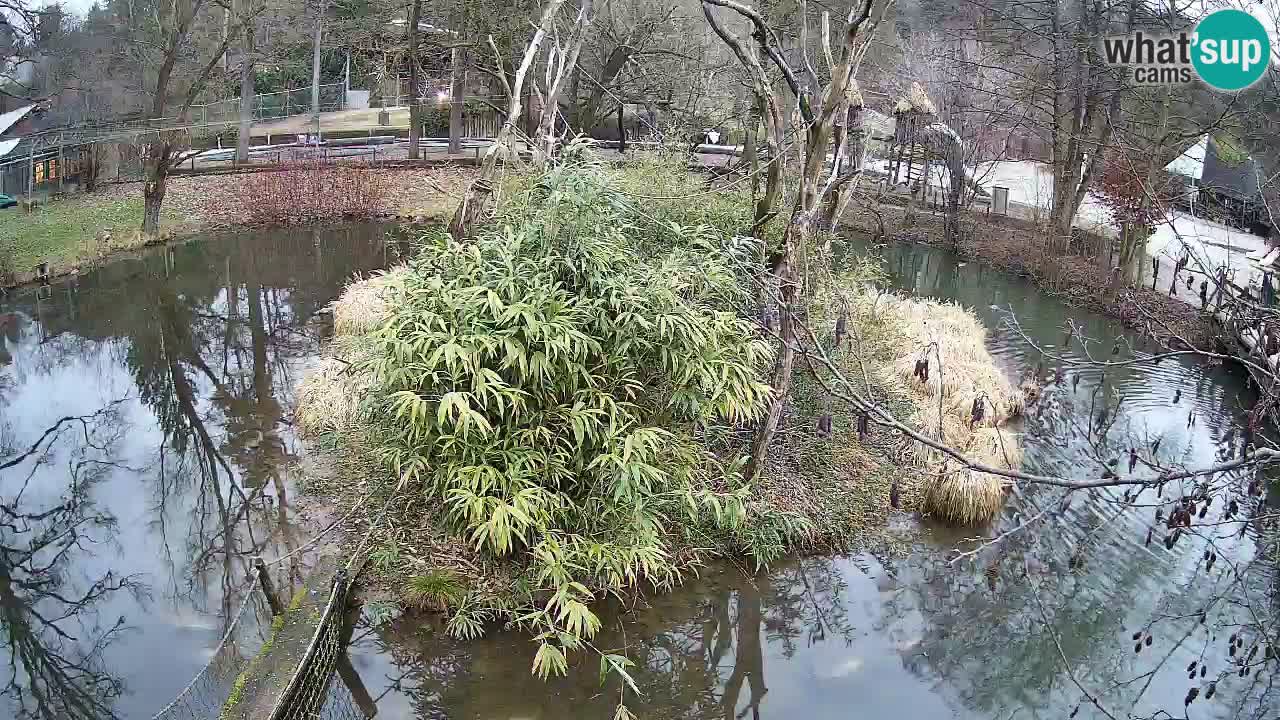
pixel 913 113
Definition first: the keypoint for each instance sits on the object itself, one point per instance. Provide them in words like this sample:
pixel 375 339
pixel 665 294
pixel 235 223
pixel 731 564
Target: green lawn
pixel 64 232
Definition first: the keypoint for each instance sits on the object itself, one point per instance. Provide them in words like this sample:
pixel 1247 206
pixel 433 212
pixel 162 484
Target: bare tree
pixel 167 37
pixel 562 63
pixel 479 199
pixel 819 105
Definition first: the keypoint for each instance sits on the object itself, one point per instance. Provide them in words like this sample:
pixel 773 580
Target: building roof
pixel 1237 177
pixel 1191 162
pixel 11 118
pixel 1217 167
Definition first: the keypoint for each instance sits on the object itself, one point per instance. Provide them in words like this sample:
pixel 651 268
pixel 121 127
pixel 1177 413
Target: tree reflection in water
pixel 204 339
pixel 700 651
pixel 52 634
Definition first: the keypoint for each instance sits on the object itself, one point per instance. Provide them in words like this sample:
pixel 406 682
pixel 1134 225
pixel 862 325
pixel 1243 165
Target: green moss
pixel 242 680
pixel 295 602
pixel 1230 151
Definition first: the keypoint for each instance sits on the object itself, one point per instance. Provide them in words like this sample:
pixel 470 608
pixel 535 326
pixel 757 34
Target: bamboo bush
pixel 543 381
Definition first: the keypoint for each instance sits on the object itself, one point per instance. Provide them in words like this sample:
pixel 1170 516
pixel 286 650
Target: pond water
pixel 918 636
pixel 125 536
pixel 126 530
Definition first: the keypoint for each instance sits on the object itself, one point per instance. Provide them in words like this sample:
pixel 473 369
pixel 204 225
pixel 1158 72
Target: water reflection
pixel 1016 632
pixel 125 537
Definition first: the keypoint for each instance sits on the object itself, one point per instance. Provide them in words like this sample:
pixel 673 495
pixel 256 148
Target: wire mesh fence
pixel 340 704
pixel 286 103
pixel 323 684
pixel 204 697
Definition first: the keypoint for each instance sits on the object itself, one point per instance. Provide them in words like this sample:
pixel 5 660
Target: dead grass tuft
pixel 961 375
pixel 328 398
pixel 366 304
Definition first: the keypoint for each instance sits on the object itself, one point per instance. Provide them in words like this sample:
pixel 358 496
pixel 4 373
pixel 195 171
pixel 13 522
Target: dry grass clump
pixel 851 482
pixel 950 346
pixel 967 497
pixel 963 497
pixel 326 399
pixel 329 395
pixel 366 304
pixel 960 397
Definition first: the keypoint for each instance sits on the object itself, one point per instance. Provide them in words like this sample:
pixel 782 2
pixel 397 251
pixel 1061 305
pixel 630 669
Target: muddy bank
pixel 1014 245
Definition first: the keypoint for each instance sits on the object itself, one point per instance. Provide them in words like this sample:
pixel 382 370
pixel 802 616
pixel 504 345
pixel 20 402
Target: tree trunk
pixel 315 76
pixel 153 188
pixel 622 131
pixel 457 96
pixel 90 166
pixel 749 156
pixel 559 67
pixel 955 191
pixel 796 237
pixel 247 95
pixel 851 160
pixel 1132 260
pixel 415 99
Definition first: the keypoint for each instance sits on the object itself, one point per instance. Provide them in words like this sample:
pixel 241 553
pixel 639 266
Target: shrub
pixel 307 190
pixel 545 382
pixel 436 590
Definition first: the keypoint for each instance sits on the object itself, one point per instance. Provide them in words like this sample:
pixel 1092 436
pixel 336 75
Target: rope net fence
pixel 247 631
pixel 307 696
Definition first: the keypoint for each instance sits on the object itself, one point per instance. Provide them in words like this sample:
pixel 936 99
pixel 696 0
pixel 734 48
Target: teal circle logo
pixel 1232 50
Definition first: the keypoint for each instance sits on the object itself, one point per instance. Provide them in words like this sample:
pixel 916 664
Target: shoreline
pixel 201 202
pixel 1008 245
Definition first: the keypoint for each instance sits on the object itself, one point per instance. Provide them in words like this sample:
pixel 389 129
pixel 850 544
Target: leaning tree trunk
pixel 797 235
pixel 477 203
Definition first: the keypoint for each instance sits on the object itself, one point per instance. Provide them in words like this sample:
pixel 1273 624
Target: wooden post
pixel 277 608
pixel 31 171
pixel 62 164
pixel 622 132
